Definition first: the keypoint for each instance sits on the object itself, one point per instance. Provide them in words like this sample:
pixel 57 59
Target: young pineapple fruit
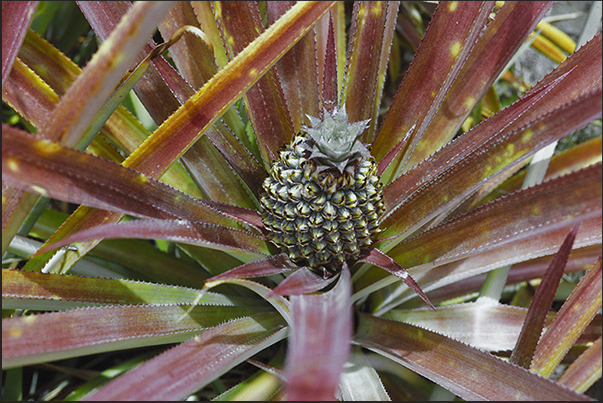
pixel 323 196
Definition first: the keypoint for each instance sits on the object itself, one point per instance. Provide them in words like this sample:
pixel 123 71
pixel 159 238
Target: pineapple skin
pixel 321 215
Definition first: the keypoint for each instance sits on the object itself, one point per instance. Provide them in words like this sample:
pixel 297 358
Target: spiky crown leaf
pixel 334 140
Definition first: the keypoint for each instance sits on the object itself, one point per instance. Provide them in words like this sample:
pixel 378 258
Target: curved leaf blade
pixel 197 362
pixel 319 342
pixel 541 304
pixel 38 291
pixel 467 372
pixel 190 232
pixel 16 16
pixel 575 314
pixel 547 206
pixel 65 174
pixel 58 335
pixel 302 281
pixel 501 39
pixel 263 267
pixel 451 35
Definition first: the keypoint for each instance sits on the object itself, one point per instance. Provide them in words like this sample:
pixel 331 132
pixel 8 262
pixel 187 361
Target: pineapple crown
pixel 334 140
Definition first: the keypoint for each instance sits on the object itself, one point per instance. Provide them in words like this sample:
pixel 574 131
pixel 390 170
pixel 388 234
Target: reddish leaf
pixel 259 268
pixel 302 281
pixel 585 371
pixel 450 37
pixel 498 153
pixel 297 71
pixel 38 291
pixel 264 101
pixel 561 87
pixel 319 342
pixel 70 175
pixel 542 208
pixel 541 304
pixel 329 83
pixel 469 373
pixel 175 135
pixel 195 233
pixel 195 363
pixel 378 258
pixel 248 169
pixel 16 16
pixel 580 259
pixel 57 335
pixel 501 39
pixel 159 100
pixel 86 96
pixel 440 274
pixel 371 34
pixel 577 311
pixel 396 192
pixel 194 58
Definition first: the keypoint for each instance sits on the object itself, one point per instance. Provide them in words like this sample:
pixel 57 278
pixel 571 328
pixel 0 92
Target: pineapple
pixel 323 197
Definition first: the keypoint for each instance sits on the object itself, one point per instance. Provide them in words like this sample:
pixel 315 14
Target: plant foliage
pixel 137 264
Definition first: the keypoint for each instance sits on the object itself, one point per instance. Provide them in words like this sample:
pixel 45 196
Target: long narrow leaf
pixel 16 16
pixel 561 87
pixel 501 39
pixel 297 71
pixel 467 372
pixel 29 290
pixel 241 24
pixel 189 232
pixel 452 274
pixel 450 37
pixel 549 205
pixel 262 267
pixel 319 342
pixel 541 304
pixel 372 23
pixel 65 174
pixel 585 371
pixel 577 311
pixel 496 155
pixel 57 335
pixel 197 362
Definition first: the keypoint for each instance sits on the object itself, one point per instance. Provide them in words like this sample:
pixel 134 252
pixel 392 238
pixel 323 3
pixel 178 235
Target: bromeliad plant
pixel 280 156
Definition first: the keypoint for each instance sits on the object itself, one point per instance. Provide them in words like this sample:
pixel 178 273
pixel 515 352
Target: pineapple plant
pixel 248 226
pixel 323 197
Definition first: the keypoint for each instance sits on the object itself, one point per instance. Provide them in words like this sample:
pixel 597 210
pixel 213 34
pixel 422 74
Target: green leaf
pixel 37 291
